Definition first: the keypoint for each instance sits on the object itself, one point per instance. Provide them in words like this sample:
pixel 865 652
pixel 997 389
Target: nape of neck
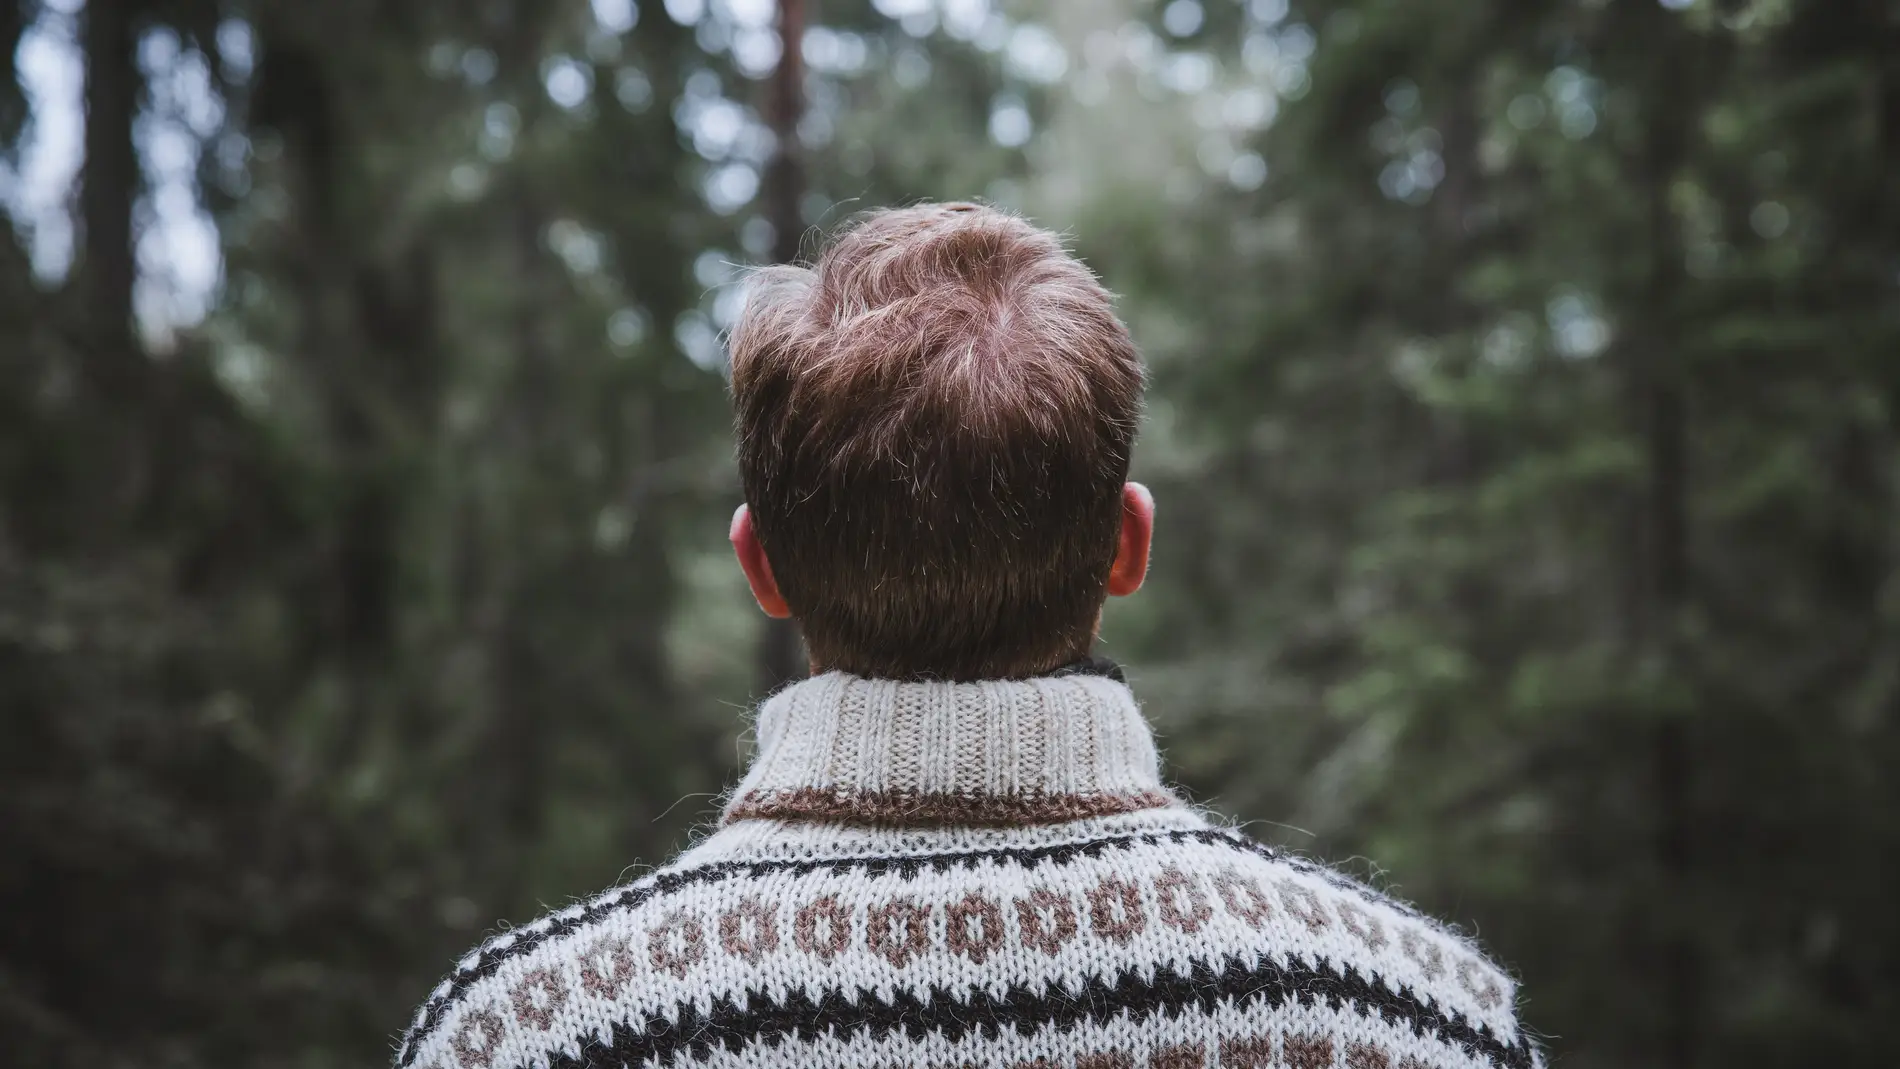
pixel 840 747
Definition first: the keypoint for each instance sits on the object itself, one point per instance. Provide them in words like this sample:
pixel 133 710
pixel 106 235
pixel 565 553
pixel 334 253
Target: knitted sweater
pixel 972 875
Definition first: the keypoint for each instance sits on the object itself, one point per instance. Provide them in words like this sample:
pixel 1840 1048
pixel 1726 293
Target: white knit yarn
pixel 1137 939
pixel 1073 735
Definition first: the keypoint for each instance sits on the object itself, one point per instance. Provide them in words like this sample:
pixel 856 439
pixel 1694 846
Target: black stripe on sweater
pixel 844 1015
pixel 905 866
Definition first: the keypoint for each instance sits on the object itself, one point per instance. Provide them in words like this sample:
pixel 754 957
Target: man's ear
pixel 1131 550
pixel 758 570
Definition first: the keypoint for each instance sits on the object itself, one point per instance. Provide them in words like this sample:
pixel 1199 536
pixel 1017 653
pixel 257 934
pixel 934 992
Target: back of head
pixel 934 426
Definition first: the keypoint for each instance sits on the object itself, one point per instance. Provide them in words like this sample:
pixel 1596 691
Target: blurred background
pixel 1525 425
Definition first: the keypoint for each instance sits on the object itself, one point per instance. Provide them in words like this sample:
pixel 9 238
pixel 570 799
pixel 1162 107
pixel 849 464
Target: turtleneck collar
pixel 839 747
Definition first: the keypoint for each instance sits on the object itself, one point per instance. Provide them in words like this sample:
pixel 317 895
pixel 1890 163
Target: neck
pixel 840 747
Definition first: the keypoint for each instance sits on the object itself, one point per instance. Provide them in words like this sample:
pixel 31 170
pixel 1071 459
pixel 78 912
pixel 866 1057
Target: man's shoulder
pixel 519 984
pixel 998 932
pixel 1308 932
pixel 1322 915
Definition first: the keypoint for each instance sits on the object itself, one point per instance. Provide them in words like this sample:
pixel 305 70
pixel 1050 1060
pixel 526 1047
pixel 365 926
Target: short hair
pixel 934 424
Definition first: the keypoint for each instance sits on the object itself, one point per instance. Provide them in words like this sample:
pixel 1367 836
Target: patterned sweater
pixel 942 875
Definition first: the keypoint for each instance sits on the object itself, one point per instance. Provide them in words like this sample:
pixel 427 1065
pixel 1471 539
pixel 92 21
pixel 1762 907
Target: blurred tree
pixel 781 655
pixel 339 626
pixel 1538 341
pixel 1523 423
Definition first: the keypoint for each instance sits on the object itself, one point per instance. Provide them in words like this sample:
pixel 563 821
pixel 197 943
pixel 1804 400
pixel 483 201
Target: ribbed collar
pixel 839 747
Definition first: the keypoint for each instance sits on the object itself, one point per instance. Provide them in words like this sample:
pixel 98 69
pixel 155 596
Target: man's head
pixel 934 425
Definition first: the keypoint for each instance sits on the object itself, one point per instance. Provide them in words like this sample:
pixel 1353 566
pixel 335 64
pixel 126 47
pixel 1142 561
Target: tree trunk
pixel 110 184
pixel 521 723
pixel 781 654
pixel 1660 386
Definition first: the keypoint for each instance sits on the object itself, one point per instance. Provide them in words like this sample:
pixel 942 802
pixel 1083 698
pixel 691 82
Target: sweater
pixel 927 874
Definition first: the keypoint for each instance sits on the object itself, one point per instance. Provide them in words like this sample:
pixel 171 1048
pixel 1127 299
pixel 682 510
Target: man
pixel 953 847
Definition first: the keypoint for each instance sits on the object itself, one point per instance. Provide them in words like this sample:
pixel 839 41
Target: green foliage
pixel 1555 463
pixel 1523 424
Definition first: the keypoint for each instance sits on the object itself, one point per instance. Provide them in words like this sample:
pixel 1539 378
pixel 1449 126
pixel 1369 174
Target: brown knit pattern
pixel 915 809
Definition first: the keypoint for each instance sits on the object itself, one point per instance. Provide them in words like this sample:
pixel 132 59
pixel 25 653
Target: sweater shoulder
pixel 1391 957
pixel 1346 920
pixel 486 1013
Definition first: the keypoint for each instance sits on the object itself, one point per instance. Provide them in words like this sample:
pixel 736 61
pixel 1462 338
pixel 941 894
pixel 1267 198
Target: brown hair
pixel 934 425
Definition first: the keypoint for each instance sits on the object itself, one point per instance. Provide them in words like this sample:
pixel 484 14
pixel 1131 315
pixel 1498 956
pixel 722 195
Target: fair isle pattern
pixel 1124 941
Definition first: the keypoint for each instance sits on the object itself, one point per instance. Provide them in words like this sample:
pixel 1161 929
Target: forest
pixel 1524 421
